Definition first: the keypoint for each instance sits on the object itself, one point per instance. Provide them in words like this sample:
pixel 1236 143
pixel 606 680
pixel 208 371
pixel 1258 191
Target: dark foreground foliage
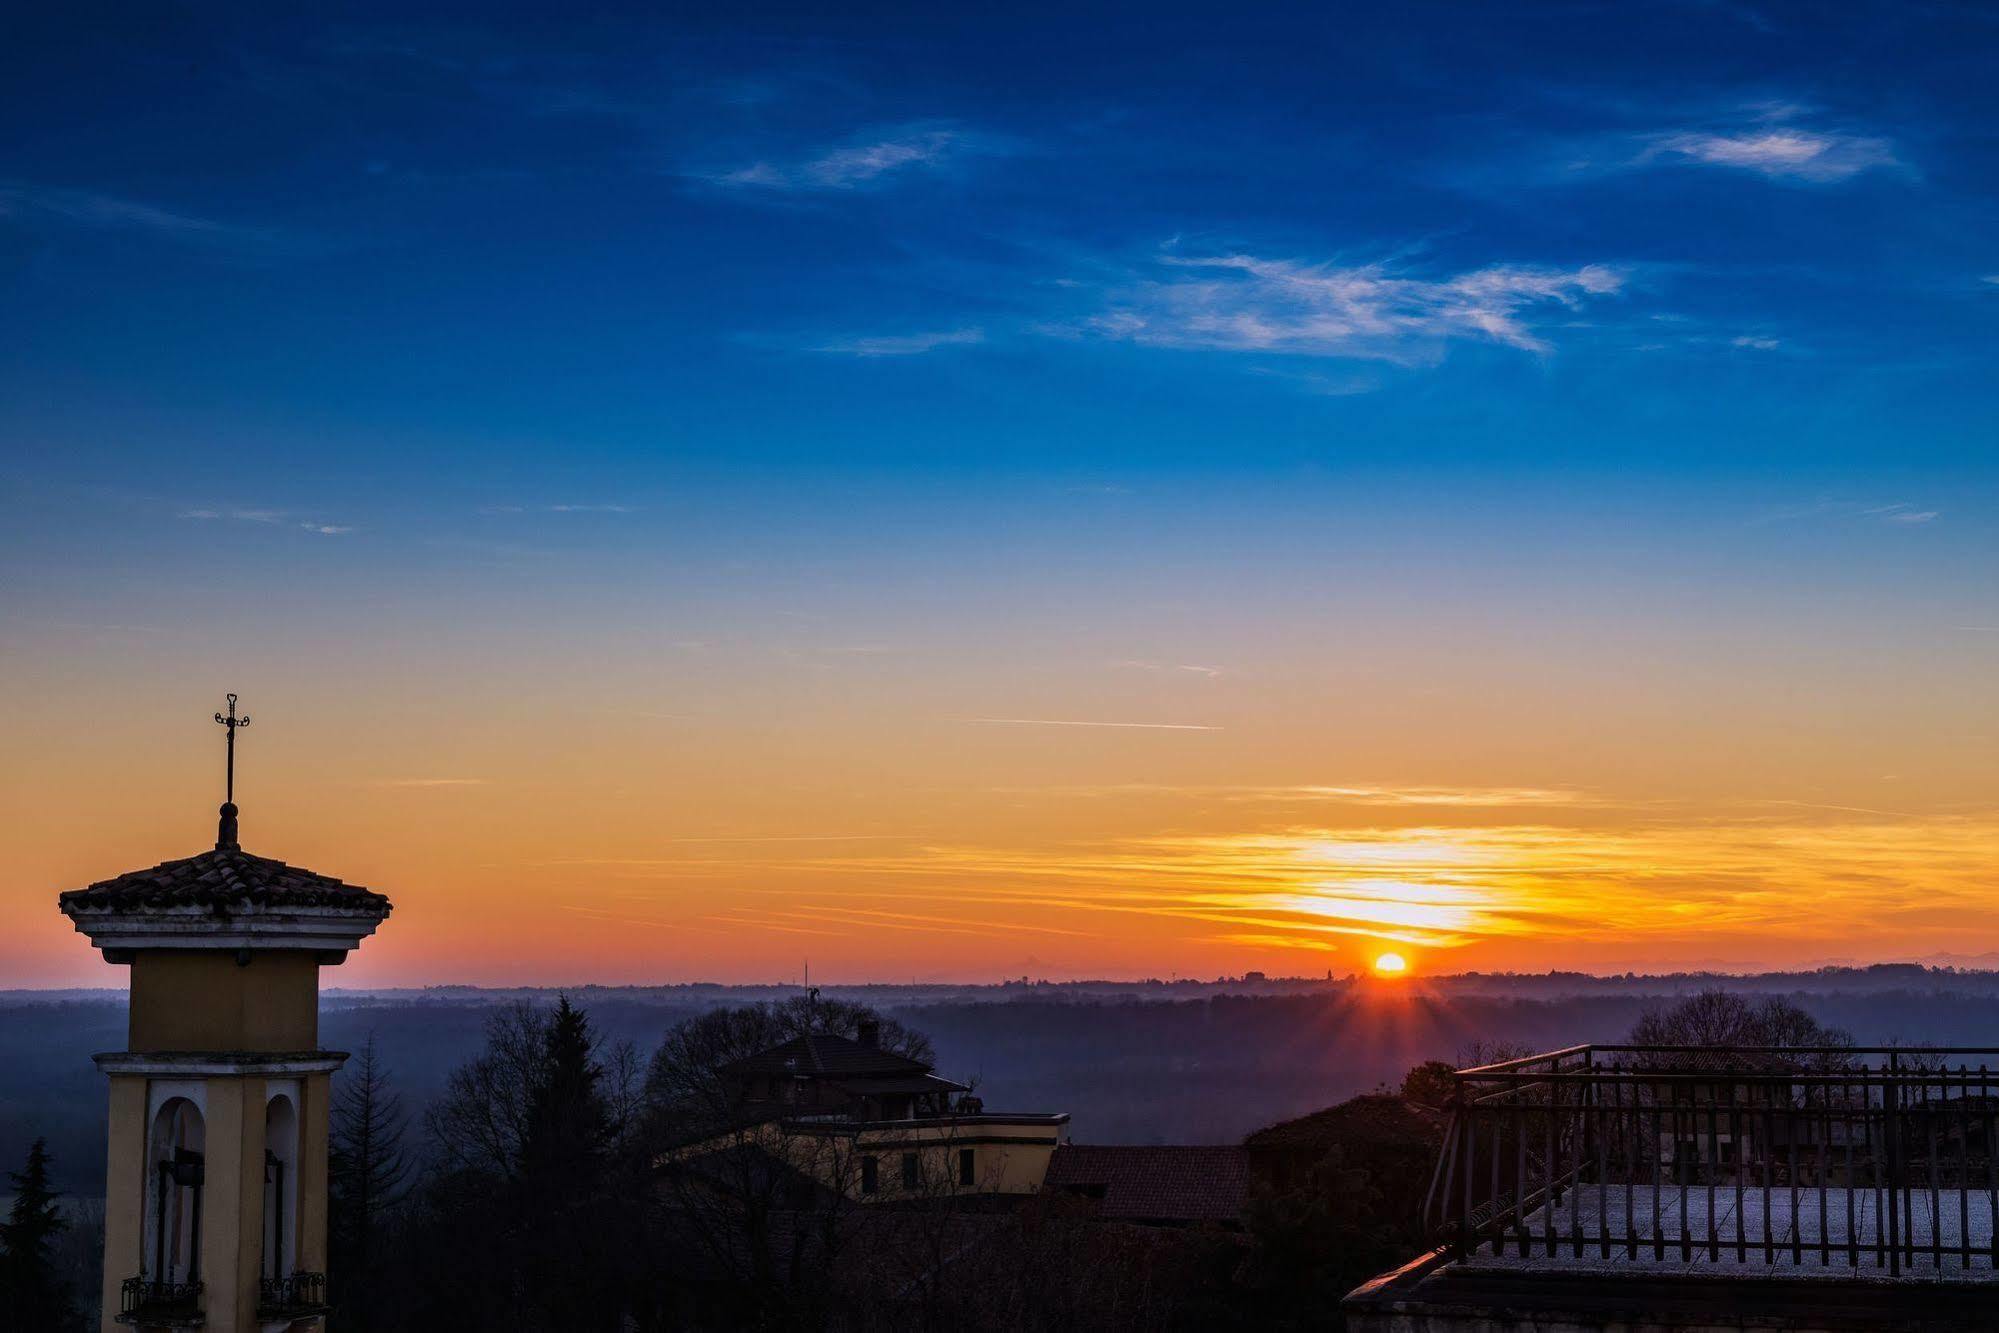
pixel 541 1204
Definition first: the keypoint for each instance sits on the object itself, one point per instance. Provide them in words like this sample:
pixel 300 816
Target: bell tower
pixel 215 1188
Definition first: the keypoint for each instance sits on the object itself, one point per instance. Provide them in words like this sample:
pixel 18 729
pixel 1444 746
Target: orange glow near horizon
pixel 524 844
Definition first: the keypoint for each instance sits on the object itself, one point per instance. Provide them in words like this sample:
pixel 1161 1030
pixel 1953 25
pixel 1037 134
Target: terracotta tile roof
pixel 222 879
pixel 824 1053
pixel 1153 1184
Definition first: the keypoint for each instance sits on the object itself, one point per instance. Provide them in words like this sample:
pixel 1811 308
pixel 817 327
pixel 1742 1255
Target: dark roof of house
pixel 895 1083
pixel 824 1053
pixel 222 879
pixel 1153 1184
pixel 1375 1120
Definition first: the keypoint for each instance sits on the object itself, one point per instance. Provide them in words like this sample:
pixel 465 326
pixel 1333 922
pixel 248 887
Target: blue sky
pixel 1643 346
pixel 424 269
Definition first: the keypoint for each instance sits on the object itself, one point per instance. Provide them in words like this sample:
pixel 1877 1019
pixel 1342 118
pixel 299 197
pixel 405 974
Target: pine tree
pixel 570 1257
pixel 569 1125
pixel 368 1171
pixel 32 1295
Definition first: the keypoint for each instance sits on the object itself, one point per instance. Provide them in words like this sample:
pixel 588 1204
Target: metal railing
pixel 301 1291
pixel 143 1297
pixel 1835 1158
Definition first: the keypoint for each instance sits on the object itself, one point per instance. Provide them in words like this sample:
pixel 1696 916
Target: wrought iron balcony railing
pixel 301 1293
pixel 154 1301
pixel 1853 1159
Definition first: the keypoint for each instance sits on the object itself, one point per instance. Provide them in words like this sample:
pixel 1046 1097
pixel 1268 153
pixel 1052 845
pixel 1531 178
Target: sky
pixel 948 494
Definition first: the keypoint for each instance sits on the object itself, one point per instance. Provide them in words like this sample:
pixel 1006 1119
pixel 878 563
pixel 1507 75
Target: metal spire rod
pixel 232 722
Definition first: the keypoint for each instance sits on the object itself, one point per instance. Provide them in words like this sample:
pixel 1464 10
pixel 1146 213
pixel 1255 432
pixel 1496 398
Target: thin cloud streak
pixel 26 201
pixel 912 344
pixel 1353 794
pixel 1745 874
pixel 1779 152
pixel 861 163
pixel 1248 303
pixel 268 518
pixel 432 782
pixel 1066 722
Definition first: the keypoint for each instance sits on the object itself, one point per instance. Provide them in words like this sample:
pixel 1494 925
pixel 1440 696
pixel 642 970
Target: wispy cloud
pixel 1068 722
pixel 1740 875
pixel 1368 795
pixel 1205 672
pixel 1898 512
pixel 23 200
pixel 1463 797
pixel 433 782
pixel 910 344
pixel 1902 513
pixel 1756 342
pixel 859 163
pixel 1248 303
pixel 28 204
pixel 1782 152
pixel 268 518
pixel 565 508
pixel 1785 142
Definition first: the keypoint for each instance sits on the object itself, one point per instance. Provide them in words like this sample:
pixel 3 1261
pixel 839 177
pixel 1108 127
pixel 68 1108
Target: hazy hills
pixel 1180 1062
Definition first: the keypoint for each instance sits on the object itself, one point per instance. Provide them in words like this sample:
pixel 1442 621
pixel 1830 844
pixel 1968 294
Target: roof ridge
pixel 219 877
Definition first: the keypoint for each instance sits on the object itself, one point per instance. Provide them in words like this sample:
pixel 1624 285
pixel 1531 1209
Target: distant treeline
pixel 1132 1063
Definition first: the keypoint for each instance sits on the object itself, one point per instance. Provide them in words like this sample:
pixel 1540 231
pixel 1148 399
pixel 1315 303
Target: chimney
pixel 869 1033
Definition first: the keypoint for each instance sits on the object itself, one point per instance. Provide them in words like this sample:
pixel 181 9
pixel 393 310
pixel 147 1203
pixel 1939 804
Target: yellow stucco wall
pixel 313 1120
pixel 204 1000
pixel 233 1203
pixel 125 1180
pixel 998 1166
pixel 1006 1158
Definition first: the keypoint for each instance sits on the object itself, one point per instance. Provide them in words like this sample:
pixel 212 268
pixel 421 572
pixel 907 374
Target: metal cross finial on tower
pixel 225 836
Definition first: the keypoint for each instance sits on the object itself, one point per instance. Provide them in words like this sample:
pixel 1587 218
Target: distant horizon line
pixel 1990 968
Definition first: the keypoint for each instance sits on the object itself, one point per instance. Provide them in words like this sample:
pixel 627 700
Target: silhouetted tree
pixel 481 1122
pixel 681 1081
pixel 518 1222
pixel 1313 1244
pixel 32 1293
pixel 1430 1083
pixel 368 1171
pixel 568 1125
pixel 1723 1018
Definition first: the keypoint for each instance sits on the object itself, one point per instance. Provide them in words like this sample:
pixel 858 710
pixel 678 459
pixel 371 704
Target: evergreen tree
pixel 568 1123
pixel 570 1252
pixel 521 1222
pixel 368 1171
pixel 32 1295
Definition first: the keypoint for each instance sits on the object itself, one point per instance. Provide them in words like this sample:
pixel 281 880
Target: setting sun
pixel 1391 965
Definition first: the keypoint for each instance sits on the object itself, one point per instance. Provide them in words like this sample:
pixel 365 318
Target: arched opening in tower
pixel 172 1253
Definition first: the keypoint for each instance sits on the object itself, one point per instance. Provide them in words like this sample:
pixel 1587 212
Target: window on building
pixel 911 1171
pixel 870 1175
pixel 967 1166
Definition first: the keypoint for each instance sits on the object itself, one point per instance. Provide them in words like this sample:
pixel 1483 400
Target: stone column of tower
pixel 215 1204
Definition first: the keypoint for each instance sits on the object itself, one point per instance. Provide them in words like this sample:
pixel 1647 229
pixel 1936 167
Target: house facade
pixel 874 1125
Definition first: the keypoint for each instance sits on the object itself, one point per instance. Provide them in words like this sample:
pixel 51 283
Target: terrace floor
pixel 1808 1231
